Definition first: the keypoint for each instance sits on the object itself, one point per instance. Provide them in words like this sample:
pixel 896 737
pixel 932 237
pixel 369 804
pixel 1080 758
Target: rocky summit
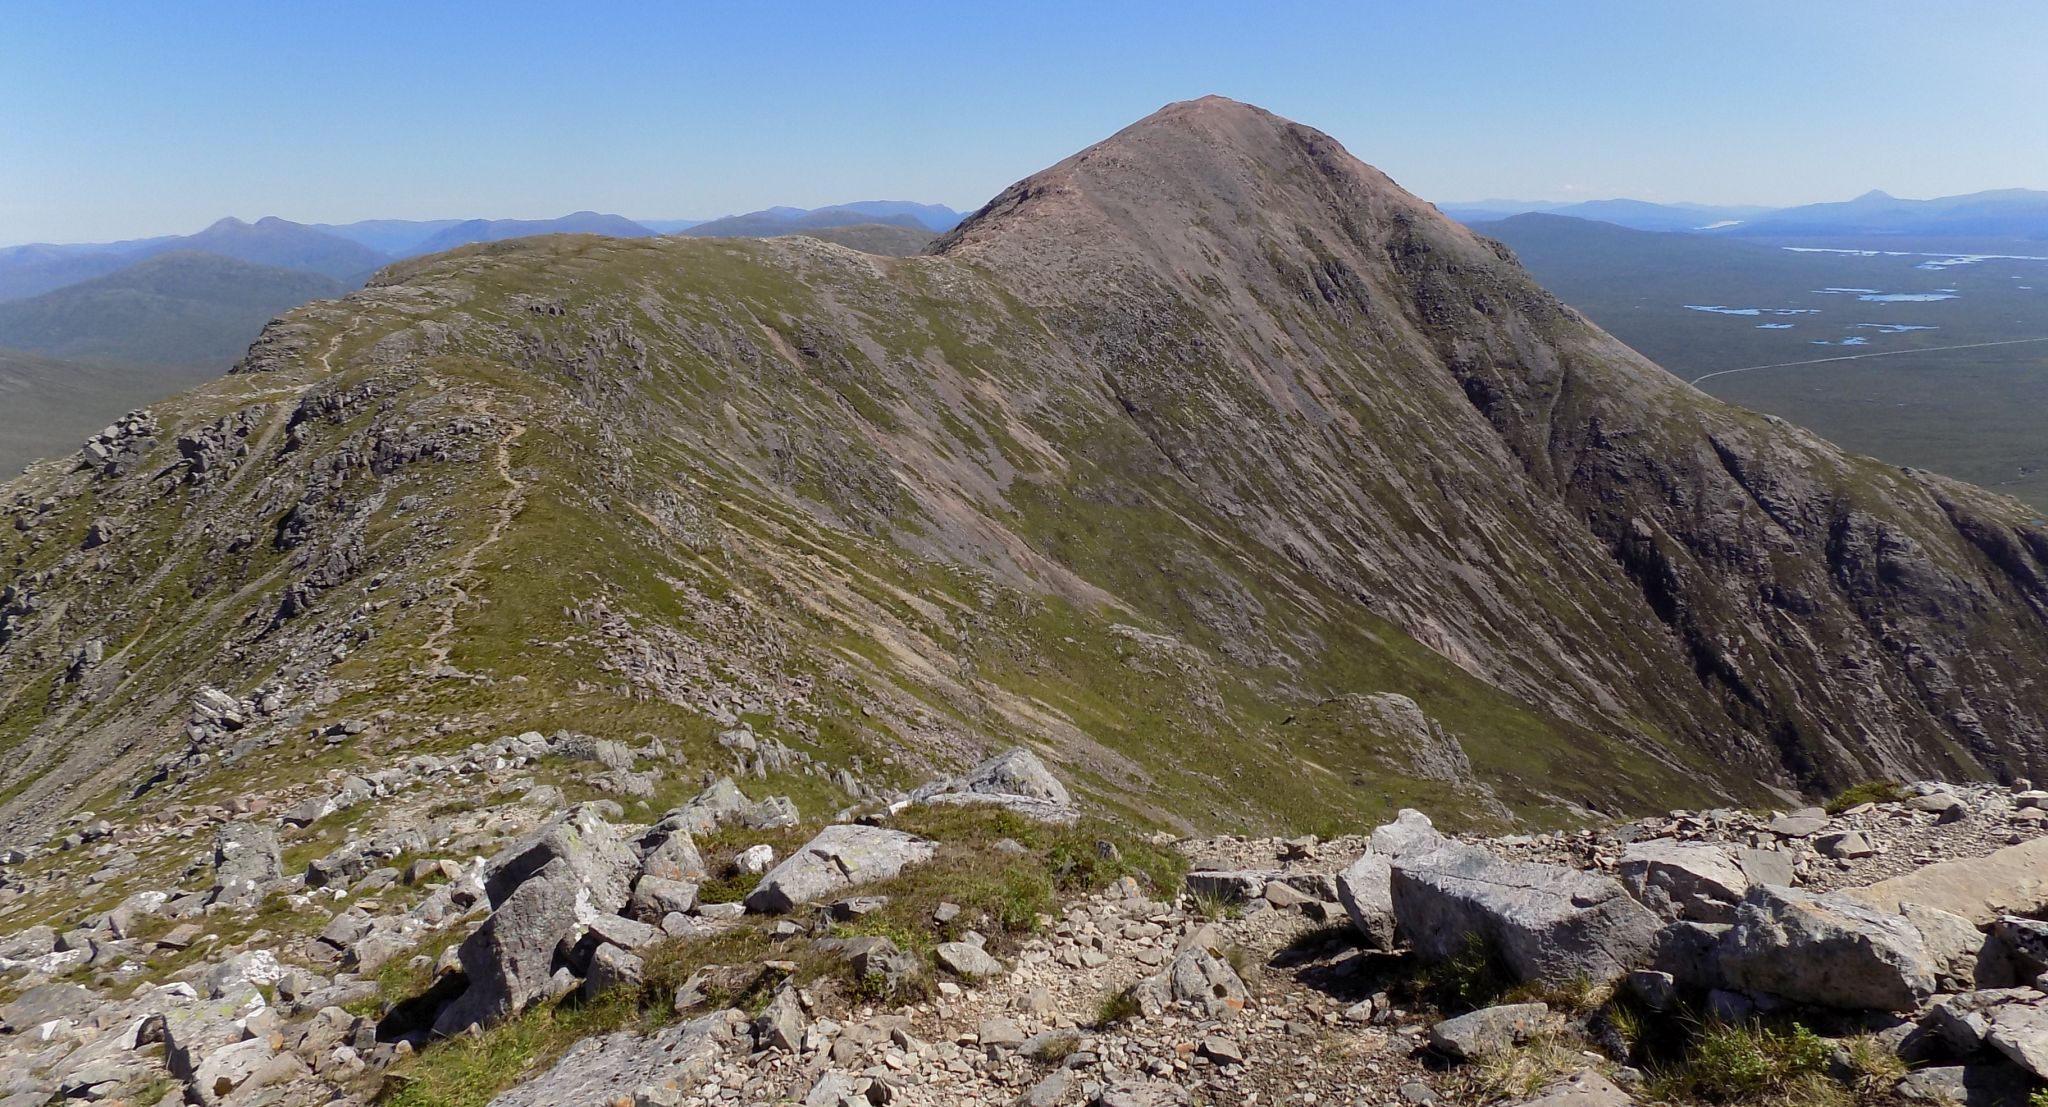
pixel 686 671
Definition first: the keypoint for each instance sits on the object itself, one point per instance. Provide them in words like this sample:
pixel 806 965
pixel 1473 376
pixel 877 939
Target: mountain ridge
pixel 1129 467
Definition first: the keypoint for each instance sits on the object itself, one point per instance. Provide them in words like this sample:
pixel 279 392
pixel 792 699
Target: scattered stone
pixel 1000 1033
pixel 1015 779
pixel 1844 845
pixel 781 1025
pixel 1197 977
pixel 1803 823
pixel 1222 1050
pixel 970 961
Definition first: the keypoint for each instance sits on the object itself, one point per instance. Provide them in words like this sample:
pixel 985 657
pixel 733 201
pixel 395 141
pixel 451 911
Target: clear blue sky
pixel 125 119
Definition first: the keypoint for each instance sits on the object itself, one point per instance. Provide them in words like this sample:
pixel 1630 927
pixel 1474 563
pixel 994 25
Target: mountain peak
pixel 226 223
pixel 1202 188
pixel 1875 196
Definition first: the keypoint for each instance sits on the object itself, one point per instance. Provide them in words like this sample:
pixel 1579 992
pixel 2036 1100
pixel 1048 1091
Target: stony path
pixel 437 644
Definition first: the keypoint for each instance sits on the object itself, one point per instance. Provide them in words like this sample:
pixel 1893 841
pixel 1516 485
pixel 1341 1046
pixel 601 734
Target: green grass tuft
pixel 1869 791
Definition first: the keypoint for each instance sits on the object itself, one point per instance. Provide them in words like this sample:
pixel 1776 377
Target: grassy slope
pixel 181 309
pixel 815 592
pixel 48 406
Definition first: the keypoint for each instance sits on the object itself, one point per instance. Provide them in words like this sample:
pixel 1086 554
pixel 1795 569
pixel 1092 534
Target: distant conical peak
pixel 1214 161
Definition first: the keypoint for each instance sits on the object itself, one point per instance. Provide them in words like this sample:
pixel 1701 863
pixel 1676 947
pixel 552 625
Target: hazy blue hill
pixel 43 267
pixel 31 270
pixel 1644 216
pixel 668 226
pixel 2003 213
pixel 396 237
pixel 936 217
pixel 1566 252
pixel 48 406
pixel 1639 215
pixel 275 242
pixel 184 308
pixel 769 222
pixel 495 230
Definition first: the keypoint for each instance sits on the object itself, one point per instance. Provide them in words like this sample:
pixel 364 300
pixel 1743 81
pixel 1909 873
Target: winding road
pixel 1859 357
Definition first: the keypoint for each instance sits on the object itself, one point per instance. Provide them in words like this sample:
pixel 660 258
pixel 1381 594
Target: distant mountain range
pixel 2013 213
pixel 350 252
pixel 768 222
pixel 1640 215
pixel 89 330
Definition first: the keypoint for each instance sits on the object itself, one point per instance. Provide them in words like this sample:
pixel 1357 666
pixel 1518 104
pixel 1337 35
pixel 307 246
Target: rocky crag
pixel 984 939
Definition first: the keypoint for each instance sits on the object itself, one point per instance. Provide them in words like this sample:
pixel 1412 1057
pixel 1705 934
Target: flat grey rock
pixel 1489 1030
pixel 1826 951
pixel 1548 922
pixel 839 857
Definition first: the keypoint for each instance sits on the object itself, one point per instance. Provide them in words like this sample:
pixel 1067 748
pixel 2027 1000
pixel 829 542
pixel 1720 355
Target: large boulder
pixel 1827 951
pixel 715 806
pixel 1963 958
pixel 2022 944
pixel 547 890
pixel 839 857
pixel 1366 889
pixel 1975 1085
pixel 246 858
pixel 1548 922
pixel 1015 779
pixel 46 1003
pixel 510 959
pixel 671 854
pixel 1683 880
pixel 581 842
pixel 2020 1031
pixel 1411 833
